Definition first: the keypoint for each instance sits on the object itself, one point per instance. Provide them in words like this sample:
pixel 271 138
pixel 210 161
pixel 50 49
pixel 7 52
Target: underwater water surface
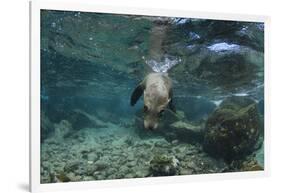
pixel 92 62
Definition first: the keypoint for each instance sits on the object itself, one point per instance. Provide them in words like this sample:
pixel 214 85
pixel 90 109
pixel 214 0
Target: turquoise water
pixel 90 65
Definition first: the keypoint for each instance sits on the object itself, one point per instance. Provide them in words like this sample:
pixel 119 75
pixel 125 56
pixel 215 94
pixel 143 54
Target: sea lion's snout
pixel 150 125
pixel 151 117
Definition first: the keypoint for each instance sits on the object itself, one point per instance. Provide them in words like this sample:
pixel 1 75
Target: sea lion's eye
pixel 145 108
pixel 160 114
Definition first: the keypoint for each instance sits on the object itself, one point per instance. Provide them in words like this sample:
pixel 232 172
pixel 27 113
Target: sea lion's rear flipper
pixel 171 104
pixel 137 94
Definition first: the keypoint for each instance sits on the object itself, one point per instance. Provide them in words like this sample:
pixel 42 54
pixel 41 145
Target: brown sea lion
pixel 157 91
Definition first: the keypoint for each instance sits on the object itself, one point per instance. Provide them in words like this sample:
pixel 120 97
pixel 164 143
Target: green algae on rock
pixel 233 129
pixel 164 165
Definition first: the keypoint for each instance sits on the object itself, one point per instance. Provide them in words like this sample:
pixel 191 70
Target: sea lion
pixel 157 91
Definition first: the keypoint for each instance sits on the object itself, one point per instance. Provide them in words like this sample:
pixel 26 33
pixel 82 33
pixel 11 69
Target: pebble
pixel 185 172
pixel 129 176
pixel 100 165
pixel 124 169
pixel 132 164
pixel 93 157
pixel 71 166
pixel 174 142
pixel 130 157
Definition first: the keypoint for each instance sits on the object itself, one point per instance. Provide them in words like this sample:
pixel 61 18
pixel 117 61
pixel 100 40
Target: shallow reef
pixel 113 151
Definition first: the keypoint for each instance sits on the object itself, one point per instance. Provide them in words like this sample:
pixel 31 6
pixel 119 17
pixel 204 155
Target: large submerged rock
pixel 233 129
pixel 187 131
pixel 81 119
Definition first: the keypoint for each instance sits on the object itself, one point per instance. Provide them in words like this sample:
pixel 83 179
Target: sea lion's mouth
pixel 150 127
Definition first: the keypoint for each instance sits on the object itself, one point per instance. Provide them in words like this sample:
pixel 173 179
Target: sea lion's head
pixel 157 92
pixel 154 107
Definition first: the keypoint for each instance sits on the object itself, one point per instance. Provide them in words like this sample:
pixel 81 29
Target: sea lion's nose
pixel 150 127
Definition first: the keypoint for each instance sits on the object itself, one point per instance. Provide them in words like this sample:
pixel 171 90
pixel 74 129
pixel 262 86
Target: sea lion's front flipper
pixel 137 94
pixel 171 104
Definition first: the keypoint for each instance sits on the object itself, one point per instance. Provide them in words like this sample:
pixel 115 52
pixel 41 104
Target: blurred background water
pixel 91 63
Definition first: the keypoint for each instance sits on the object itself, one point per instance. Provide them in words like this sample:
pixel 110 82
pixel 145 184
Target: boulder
pixel 233 129
pixel 81 119
pixel 188 132
pixel 62 129
pixel 173 126
pixel 164 165
pixel 247 164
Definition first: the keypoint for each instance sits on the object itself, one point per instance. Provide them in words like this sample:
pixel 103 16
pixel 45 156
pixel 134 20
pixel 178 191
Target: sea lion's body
pixel 157 91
